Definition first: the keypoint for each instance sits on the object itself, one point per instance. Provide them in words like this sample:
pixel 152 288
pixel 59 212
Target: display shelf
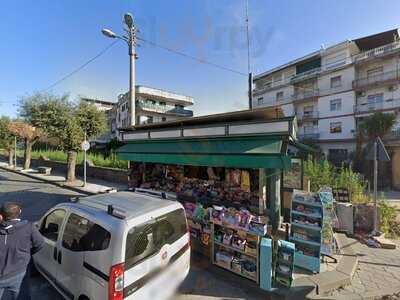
pixel 304 214
pixel 237 229
pixel 242 253
pixel 309 203
pixel 233 271
pixel 305 226
pixel 284 248
pixel 313 233
pixel 307 262
pixel 235 249
pixel 312 243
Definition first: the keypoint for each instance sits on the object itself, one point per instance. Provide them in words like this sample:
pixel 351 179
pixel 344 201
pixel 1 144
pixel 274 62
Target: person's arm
pixel 36 239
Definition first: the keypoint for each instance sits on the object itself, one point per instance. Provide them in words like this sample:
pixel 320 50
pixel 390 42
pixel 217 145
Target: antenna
pixel 248 57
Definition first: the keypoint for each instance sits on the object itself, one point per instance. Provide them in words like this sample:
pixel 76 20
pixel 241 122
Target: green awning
pixel 251 152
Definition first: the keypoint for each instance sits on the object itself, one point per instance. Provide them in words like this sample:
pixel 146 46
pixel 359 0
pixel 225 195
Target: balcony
pixel 306 95
pixel 305 75
pixel 308 136
pixel 386 78
pixel 164 109
pixel 377 52
pixel 393 135
pixel 372 106
pixel 307 115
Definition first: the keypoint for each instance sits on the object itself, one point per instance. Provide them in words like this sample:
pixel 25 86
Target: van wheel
pixel 83 297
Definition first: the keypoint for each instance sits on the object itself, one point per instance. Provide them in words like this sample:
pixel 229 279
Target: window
pixel 147 239
pixel 163 119
pixel 178 106
pixel 375 72
pixel 260 101
pixel 308 110
pixel 279 96
pixel 336 104
pixel 81 234
pixel 336 82
pixel 375 101
pixel 336 127
pixel 149 119
pixel 163 103
pixel 52 223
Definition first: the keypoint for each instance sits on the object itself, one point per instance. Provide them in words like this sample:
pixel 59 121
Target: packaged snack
pixel 238 242
pixel 217 214
pixel 227 239
pixel 258 228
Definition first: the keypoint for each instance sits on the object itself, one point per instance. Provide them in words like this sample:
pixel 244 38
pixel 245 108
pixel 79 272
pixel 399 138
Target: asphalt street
pixel 36 197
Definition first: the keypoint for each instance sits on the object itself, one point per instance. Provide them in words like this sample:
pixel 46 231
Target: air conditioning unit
pixel 392 88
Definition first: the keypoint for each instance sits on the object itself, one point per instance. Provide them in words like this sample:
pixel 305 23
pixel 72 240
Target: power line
pixel 81 66
pixel 200 60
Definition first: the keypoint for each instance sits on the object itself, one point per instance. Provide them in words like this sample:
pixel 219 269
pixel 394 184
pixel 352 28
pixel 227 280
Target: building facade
pixel 153 106
pixel 331 90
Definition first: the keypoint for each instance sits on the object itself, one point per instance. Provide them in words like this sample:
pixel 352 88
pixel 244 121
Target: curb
pixel 74 189
pixel 319 285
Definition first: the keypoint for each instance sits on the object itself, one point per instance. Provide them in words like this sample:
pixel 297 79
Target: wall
pixel 107 174
pixel 347 76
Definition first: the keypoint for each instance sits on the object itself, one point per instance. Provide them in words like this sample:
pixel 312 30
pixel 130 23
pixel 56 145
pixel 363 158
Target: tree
pixel 30 134
pixel 377 125
pixel 64 120
pixel 6 138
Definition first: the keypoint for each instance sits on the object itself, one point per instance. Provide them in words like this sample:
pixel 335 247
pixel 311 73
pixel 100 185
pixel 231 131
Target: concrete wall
pixel 107 174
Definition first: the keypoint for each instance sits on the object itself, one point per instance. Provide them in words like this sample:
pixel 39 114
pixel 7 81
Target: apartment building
pixel 332 89
pixel 152 106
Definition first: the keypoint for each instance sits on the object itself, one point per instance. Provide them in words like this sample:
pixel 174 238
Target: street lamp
pixel 130 39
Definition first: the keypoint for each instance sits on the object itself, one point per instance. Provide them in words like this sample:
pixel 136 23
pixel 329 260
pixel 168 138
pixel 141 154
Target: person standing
pixel 19 240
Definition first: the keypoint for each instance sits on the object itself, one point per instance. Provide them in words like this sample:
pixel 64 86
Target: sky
pixel 43 40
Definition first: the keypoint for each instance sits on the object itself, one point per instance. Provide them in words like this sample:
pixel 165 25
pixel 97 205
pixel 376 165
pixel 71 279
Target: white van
pixel 123 245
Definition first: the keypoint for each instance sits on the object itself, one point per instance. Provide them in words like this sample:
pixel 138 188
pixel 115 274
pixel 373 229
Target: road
pixel 37 197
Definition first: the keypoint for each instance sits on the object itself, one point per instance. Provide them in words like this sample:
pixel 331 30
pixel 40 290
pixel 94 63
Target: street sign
pixel 85 145
pixel 381 154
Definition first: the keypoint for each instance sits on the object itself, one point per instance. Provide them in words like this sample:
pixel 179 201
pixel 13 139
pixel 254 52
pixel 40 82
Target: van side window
pixel 80 234
pixel 147 239
pixel 51 224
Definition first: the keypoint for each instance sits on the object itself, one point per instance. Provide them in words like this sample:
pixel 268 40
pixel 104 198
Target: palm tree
pixel 377 125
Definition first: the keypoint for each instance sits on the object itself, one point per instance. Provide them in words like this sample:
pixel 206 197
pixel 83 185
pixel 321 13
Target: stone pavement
pixel 377 275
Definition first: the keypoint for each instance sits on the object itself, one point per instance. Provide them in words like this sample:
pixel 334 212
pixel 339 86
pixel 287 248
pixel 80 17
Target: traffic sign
pixel 381 154
pixel 85 145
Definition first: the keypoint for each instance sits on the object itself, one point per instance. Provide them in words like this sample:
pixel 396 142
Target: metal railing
pixel 308 136
pixel 165 109
pixel 306 75
pixel 380 51
pixel 307 115
pixel 386 77
pixel 366 106
pixel 297 96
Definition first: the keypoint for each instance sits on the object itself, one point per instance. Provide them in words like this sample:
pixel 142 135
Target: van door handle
pixel 55 253
pixel 59 257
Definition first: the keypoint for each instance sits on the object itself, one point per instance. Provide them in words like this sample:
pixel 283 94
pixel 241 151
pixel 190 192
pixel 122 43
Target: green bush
pixel 388 223
pixel 322 173
pixel 319 173
pixel 98 159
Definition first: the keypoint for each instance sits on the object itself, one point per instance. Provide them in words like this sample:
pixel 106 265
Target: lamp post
pixel 130 39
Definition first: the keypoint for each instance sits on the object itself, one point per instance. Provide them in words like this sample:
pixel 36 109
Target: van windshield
pixel 148 238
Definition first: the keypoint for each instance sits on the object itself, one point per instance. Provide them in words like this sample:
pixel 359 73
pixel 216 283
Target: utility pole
pixel 15 152
pixel 130 39
pixel 250 79
pixel 375 186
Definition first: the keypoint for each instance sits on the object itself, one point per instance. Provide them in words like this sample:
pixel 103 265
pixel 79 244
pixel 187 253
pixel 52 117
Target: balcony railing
pixel 305 75
pixel 165 109
pixel 380 51
pixel 383 78
pixel 307 115
pixel 308 136
pixel 298 96
pixel 394 134
pixel 365 107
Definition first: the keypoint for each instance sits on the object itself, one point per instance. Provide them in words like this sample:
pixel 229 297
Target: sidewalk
pixel 95 186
